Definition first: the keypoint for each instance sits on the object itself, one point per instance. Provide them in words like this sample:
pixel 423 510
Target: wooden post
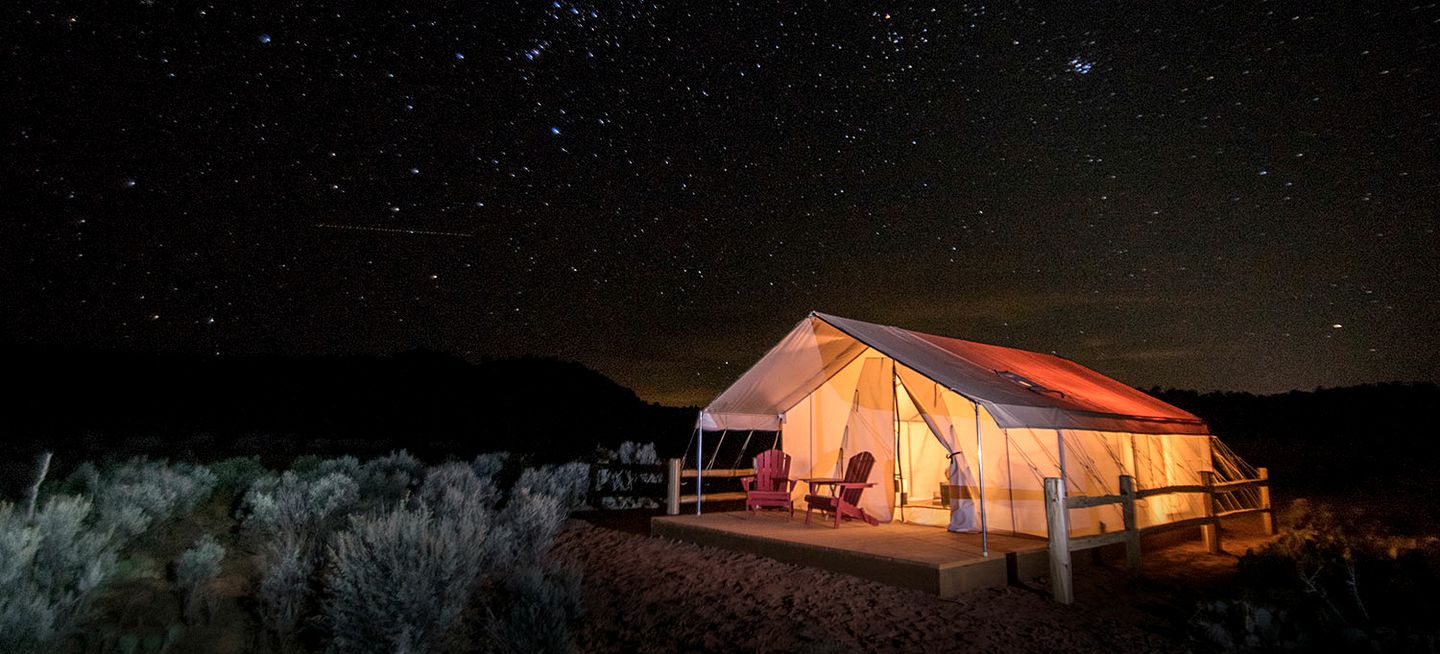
pixel 1210 531
pixel 1268 517
pixel 699 469
pixel 1132 534
pixel 42 468
pixel 672 496
pixel 1057 521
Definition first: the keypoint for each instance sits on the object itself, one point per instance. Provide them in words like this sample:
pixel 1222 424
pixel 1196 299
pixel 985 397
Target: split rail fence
pixel 1057 516
pixel 677 476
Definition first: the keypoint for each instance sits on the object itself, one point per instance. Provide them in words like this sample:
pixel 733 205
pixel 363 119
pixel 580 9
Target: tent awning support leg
pixel 980 468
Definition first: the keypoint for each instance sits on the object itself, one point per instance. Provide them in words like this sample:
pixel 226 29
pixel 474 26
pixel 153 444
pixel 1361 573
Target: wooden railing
pixel 676 476
pixel 1057 517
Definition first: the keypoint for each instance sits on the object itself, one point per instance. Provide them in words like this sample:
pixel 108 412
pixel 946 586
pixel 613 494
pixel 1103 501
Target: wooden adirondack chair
pixel 771 485
pixel 844 497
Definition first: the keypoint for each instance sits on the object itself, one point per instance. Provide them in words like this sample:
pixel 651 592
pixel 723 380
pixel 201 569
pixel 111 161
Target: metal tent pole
pixel 899 471
pixel 980 467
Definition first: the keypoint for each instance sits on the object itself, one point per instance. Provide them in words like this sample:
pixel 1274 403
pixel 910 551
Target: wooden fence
pixel 1057 517
pixel 622 482
pixel 676 476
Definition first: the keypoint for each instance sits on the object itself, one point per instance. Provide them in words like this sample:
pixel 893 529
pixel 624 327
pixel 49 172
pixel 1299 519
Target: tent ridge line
pixel 989 404
pixel 967 396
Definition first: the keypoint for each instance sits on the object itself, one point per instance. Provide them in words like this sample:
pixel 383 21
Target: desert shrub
pixel 50 570
pixel 285 590
pixel 1329 581
pixel 83 480
pixel 525 528
pixel 1243 625
pixel 138 493
pixel 237 473
pixel 303 507
pixel 389 479
pixel 293 515
pixel 398 581
pixel 345 465
pixel 567 482
pixel 195 568
pixel 450 483
pixel 636 453
pixel 305 464
pixel 534 610
pixel 490 465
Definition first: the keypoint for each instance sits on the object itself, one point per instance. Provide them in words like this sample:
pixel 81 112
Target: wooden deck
pixel 924 558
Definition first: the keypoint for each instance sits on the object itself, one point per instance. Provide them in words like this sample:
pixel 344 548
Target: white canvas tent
pixel 963 433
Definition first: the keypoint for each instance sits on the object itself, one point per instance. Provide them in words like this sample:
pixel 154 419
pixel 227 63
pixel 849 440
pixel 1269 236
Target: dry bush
pixel 195 568
pixel 50 570
pixel 389 479
pixel 399 581
pixel 1329 582
pixel 448 484
pixel 535 610
pixel 302 507
pixel 567 482
pixel 490 465
pixel 134 495
pixel 286 587
pixel 293 515
pixel 237 473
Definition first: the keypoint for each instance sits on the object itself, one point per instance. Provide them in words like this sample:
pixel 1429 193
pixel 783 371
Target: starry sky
pixel 1227 195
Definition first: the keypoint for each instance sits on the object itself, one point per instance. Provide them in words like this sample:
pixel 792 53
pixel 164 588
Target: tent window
pixel 1027 383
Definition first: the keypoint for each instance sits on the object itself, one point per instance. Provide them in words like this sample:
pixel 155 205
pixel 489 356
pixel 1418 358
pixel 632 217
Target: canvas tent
pixel 963 433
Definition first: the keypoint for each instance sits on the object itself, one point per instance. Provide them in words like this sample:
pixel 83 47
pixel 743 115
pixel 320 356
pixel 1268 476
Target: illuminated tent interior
pixel 964 433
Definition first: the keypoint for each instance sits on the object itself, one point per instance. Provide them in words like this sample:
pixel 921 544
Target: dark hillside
pixel 1372 446
pixel 94 405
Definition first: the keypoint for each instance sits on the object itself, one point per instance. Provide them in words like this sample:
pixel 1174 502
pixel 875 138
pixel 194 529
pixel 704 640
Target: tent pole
pixel 980 467
pixel 1010 480
pixel 895 424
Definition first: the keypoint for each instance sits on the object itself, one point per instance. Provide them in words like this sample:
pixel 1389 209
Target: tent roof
pixel 1018 388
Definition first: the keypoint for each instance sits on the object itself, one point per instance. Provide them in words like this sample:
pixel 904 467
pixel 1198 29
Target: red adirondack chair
pixel 844 497
pixel 771 485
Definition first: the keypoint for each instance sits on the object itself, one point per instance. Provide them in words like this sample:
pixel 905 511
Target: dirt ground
pixel 649 594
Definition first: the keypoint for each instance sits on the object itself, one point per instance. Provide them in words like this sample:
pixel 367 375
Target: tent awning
pixel 1018 388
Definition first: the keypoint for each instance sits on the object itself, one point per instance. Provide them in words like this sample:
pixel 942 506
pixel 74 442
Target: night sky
pixel 1235 196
